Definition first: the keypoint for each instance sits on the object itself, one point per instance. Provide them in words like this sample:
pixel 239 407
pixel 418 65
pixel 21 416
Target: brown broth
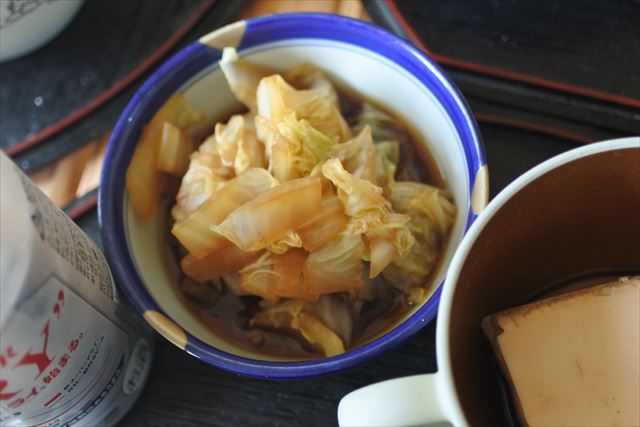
pixel 228 315
pixel 426 169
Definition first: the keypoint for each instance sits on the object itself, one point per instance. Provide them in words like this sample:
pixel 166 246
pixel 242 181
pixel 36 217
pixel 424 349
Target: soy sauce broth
pixel 228 315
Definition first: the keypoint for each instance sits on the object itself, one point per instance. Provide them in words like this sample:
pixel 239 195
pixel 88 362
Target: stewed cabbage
pixel 296 205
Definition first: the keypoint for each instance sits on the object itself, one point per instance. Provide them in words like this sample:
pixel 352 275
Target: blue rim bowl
pixel 200 55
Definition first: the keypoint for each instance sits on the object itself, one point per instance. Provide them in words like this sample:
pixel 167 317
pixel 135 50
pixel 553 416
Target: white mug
pixel 560 219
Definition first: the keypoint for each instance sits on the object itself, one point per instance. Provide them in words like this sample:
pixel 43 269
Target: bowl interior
pixel 578 219
pixel 367 73
pixel 359 57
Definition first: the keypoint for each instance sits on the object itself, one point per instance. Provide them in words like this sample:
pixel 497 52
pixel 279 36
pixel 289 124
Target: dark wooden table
pixel 182 391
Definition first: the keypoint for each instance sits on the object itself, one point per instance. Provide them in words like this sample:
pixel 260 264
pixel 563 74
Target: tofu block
pixel 573 359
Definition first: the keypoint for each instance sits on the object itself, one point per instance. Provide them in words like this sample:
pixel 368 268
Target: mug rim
pixel 178 70
pixel 455 412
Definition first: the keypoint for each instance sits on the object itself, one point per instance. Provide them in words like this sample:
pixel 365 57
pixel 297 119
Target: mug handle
pixel 408 401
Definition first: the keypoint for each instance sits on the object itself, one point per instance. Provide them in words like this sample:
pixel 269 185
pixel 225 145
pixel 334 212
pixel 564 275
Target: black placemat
pixel 592 44
pixel 563 65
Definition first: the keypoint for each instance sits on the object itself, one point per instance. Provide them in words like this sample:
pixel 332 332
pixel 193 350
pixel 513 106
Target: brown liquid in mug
pixel 228 315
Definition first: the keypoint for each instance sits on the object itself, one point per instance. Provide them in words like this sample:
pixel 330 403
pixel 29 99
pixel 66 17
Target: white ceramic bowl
pixel 359 56
pixel 27 25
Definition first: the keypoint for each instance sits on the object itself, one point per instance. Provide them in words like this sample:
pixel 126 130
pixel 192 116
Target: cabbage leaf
pixel 277 99
pixel 292 315
pixel 432 214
